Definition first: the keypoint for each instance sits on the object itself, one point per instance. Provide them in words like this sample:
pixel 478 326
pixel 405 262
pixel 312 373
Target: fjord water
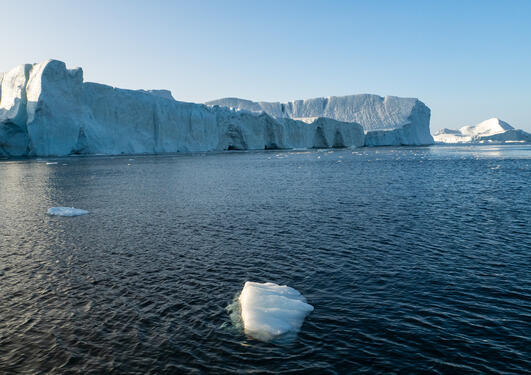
pixel 415 260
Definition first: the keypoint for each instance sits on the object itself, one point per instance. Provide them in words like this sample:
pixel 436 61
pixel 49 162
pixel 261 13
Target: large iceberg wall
pixel 386 120
pixel 492 130
pixel 47 109
pixel 13 113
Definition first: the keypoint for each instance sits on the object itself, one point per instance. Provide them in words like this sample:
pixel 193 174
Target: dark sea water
pixel 417 260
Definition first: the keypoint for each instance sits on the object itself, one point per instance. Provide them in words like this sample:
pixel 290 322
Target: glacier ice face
pixel 66 211
pixel 492 130
pixel 47 109
pixel 386 121
pixel 13 112
pixel 269 310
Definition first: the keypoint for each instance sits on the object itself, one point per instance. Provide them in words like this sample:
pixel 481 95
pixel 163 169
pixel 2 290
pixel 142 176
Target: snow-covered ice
pixel 66 211
pixel 269 310
pixel 492 130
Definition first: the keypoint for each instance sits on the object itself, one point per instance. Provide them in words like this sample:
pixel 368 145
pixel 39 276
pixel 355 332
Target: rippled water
pixel 415 259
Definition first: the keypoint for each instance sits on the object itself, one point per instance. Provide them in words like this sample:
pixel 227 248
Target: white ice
pixel 269 310
pixel 492 130
pixel 66 211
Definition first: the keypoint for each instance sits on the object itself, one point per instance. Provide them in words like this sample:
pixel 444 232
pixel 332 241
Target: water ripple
pixel 412 267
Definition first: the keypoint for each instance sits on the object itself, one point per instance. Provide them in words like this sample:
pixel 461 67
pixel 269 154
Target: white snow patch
pixel 269 310
pixel 66 211
pixel 307 120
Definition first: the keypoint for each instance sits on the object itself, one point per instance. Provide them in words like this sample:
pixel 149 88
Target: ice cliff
pixel 47 109
pixel 492 130
pixel 386 121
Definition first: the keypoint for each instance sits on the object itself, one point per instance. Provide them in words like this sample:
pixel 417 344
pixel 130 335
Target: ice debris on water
pixel 270 310
pixel 66 211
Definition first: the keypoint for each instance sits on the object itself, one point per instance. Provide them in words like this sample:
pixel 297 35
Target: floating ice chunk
pixel 66 211
pixel 269 310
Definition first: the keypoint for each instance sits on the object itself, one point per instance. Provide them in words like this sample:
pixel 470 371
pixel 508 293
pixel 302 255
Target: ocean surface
pixel 416 260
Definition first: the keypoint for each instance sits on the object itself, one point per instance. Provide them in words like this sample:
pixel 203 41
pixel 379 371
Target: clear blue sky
pixel 467 60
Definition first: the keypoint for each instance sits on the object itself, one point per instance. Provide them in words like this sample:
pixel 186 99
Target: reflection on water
pixel 415 259
pixel 481 151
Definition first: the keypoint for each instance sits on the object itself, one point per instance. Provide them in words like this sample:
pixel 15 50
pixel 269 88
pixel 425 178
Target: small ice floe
pixel 269 310
pixel 66 211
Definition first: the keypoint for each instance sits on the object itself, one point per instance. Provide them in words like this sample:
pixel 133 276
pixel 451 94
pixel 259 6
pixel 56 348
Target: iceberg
pixel 48 110
pixel 387 121
pixel 269 310
pixel 66 211
pixel 492 130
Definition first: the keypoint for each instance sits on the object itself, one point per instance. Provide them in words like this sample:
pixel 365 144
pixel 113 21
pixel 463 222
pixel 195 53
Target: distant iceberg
pixel 386 120
pixel 269 310
pixel 48 110
pixel 66 211
pixel 492 130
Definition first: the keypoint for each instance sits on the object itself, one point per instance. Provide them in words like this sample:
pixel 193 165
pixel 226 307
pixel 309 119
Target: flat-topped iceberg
pixel 269 310
pixel 386 120
pixel 492 130
pixel 66 211
pixel 47 109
